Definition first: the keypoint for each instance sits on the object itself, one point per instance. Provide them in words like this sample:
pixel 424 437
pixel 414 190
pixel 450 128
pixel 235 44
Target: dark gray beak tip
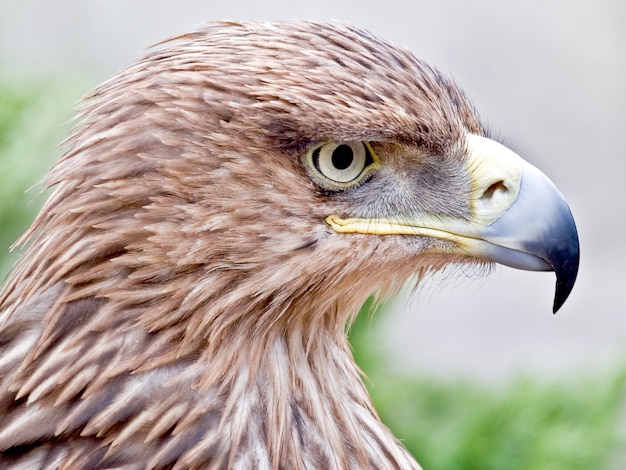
pixel 564 256
pixel 565 263
pixel 564 285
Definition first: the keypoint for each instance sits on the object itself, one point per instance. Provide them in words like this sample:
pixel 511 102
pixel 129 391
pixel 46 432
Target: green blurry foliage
pixel 34 119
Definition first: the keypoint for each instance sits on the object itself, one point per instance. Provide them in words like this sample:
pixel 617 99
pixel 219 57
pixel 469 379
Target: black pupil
pixel 342 157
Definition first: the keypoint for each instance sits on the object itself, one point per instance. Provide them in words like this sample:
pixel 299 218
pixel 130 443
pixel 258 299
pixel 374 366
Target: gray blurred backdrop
pixel 549 76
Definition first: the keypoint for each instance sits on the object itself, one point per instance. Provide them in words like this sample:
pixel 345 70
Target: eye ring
pixel 341 165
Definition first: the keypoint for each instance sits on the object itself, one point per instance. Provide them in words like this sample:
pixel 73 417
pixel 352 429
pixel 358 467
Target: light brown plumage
pixel 183 300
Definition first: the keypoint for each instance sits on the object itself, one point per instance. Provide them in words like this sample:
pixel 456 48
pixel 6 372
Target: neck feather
pixel 301 403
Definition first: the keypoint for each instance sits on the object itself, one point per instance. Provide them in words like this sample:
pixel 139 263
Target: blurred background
pixel 470 374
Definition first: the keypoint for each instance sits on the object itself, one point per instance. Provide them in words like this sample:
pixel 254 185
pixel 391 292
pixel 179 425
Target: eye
pixel 340 165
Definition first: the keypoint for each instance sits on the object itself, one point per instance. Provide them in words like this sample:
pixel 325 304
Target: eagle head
pixel 225 206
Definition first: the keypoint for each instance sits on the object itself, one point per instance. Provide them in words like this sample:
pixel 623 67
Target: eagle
pixel 224 207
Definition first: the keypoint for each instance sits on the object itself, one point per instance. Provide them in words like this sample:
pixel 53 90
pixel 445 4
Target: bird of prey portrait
pixel 224 207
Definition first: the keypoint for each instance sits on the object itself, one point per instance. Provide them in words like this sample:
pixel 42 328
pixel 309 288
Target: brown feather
pixel 181 303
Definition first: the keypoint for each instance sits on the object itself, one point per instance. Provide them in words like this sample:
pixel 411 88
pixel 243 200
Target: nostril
pixel 494 199
pixel 494 191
